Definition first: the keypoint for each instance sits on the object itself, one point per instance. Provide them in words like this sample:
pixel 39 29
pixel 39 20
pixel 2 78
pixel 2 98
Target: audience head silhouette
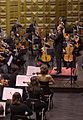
pixel 16 98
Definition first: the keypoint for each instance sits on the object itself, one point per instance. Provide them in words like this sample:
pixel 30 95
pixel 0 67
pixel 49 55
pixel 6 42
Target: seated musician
pixel 44 57
pixel 10 40
pixel 18 108
pixel 36 95
pixel 45 79
pixel 4 81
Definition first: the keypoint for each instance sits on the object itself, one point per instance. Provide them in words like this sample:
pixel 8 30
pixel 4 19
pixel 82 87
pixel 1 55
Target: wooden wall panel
pixel 45 12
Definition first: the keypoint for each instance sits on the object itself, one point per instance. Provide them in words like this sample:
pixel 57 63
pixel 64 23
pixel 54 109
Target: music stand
pixel 73 77
pixel 8 92
pixel 22 80
pixel 32 69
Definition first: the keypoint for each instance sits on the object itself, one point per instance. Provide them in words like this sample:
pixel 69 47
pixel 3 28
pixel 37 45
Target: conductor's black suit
pixel 58 44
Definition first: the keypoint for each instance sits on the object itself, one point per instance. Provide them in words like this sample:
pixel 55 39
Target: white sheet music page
pixel 32 69
pixel 8 92
pixel 10 60
pixel 22 80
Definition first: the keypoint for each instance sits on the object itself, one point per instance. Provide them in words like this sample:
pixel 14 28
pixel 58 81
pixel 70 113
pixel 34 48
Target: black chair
pixel 50 101
pixel 38 107
pixel 48 95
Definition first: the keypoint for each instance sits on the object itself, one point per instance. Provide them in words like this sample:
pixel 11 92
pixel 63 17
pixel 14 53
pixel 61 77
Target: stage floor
pixel 64 79
pixel 65 76
pixel 65 71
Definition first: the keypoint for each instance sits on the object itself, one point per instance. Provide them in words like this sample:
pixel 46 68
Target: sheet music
pixel 32 69
pixel 21 80
pixel 10 60
pixel 8 92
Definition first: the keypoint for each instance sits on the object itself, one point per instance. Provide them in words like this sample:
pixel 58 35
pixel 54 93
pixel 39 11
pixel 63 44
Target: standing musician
pixel 58 44
pixel 16 27
pixel 33 37
pixel 77 44
pixel 77 28
pixel 2 34
pixel 33 26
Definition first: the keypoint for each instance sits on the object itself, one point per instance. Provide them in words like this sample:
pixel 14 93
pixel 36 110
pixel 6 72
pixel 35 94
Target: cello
pixel 45 57
pixel 68 56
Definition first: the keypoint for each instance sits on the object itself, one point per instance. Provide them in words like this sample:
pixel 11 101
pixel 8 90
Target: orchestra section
pixel 33 26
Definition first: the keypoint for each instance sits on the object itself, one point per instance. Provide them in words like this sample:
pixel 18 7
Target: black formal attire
pixel 37 97
pixel 32 27
pixel 19 109
pixel 58 44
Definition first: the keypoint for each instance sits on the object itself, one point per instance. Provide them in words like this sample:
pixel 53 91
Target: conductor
pixel 58 44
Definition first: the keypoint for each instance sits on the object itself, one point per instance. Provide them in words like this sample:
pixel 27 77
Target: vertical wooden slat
pixel 25 13
pixel 19 10
pixel 8 16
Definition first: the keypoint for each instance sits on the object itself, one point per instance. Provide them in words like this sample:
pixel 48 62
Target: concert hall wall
pixel 45 12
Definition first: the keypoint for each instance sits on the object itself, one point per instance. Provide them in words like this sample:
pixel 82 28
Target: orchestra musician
pixel 58 44
pixel 33 26
pixel 4 80
pixel 77 28
pixel 2 34
pixel 77 44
